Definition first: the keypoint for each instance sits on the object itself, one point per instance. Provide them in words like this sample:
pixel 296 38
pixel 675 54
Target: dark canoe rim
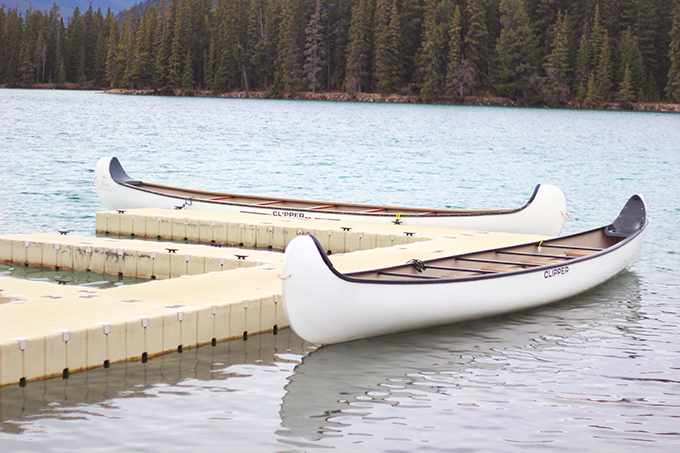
pixel 119 176
pixel 630 223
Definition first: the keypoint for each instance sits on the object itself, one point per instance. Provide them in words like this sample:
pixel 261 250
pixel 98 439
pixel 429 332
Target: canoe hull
pixel 544 213
pixel 326 307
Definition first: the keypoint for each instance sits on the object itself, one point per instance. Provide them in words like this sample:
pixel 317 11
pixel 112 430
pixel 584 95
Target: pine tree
pixel 557 62
pixel 126 49
pixel 429 56
pixel 603 74
pixel 544 14
pixel 89 41
pixel 315 49
pixel 258 45
pixel 288 75
pixel 32 46
pixel 673 84
pixel 626 94
pixel 208 65
pixel 180 43
pixel 516 50
pixel 188 73
pixel 453 79
pixel 273 15
pixel 164 42
pixel 583 65
pixel 592 95
pixel 143 66
pixel 359 51
pixel 588 58
pixel 100 52
pixel 411 23
pixel 386 46
pixel 629 59
pixel 12 41
pixel 60 70
pixel 74 54
pixel 652 34
pixel 476 40
pixel 113 74
pixel 54 44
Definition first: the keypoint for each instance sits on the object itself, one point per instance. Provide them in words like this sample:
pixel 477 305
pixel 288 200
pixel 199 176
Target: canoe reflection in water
pixel 456 378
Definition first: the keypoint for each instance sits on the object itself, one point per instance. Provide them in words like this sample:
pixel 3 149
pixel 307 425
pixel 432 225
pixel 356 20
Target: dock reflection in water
pixel 58 398
pixel 67 277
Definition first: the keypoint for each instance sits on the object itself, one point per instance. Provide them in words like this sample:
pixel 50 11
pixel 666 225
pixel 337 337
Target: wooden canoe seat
pixel 269 202
pixel 537 255
pixel 490 261
pixel 328 206
pixel 573 247
pixel 578 253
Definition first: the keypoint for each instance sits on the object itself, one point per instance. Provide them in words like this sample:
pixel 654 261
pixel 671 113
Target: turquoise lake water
pixel 598 372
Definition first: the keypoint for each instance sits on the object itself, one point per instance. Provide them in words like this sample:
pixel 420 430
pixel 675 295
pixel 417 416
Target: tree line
pixel 533 51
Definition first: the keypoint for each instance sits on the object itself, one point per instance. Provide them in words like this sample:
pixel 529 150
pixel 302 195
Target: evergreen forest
pixel 535 52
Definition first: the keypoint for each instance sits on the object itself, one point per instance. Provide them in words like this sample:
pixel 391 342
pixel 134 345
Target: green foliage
pixel 629 60
pixel 476 40
pixel 592 51
pixel 430 55
pixel 453 74
pixel 315 49
pixel 673 85
pixel 603 74
pixel 557 62
pixel 387 58
pixel 516 51
pixel 591 46
pixel 626 94
pixel 360 47
pixel 288 74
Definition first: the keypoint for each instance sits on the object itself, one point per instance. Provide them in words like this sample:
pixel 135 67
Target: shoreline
pixel 481 101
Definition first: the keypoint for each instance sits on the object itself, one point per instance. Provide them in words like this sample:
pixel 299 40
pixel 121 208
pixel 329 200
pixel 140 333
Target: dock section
pixel 49 330
pixel 257 230
pixel 126 257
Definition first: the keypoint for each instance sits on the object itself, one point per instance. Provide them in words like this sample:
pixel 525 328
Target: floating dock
pixel 200 294
pixel 257 230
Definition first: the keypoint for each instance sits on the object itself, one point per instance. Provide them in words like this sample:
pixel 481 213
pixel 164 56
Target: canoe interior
pixel 285 203
pixel 546 253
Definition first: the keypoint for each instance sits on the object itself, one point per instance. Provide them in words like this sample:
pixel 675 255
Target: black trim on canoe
pixel 632 219
pixel 119 176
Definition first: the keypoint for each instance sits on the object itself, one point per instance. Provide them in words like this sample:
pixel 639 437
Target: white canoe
pixel 544 213
pixel 324 306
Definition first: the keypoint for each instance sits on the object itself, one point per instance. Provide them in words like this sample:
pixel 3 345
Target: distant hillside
pixel 66 7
